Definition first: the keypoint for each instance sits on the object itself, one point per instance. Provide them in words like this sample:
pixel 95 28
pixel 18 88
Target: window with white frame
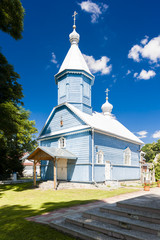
pixel 100 157
pixel 62 142
pixel 127 156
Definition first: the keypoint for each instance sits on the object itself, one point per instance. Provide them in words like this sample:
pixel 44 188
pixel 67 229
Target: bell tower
pixel 74 78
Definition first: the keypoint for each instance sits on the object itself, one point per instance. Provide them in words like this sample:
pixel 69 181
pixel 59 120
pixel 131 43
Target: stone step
pixel 108 229
pixel 79 232
pixel 131 213
pixel 123 222
pixel 149 203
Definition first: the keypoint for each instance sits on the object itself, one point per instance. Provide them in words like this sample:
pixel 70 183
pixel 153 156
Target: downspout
pixel 93 155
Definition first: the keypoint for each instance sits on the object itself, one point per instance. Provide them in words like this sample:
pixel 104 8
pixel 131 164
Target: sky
pixel 120 41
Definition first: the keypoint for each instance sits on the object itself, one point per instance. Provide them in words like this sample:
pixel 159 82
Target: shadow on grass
pixel 13 224
pixel 16 187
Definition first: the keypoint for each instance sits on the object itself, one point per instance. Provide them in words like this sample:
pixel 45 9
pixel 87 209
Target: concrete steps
pixel 109 229
pixel 127 220
pixel 131 213
pixel 79 232
pixel 123 222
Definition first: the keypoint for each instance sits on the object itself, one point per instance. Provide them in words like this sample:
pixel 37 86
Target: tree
pixel 12 146
pixel 16 130
pixel 152 150
pixel 11 17
pixel 11 90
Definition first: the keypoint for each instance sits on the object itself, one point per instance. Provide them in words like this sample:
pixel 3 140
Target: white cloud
pixel 53 60
pixel 146 75
pixel 95 9
pixel 135 74
pixel 128 72
pixel 134 53
pixel 156 134
pixel 142 134
pixel 99 65
pixel 149 50
pixel 145 40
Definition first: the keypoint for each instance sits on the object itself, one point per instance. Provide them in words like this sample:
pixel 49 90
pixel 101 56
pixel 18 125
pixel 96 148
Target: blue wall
pixel 79 144
pixel 75 89
pixel 68 117
pixel 113 150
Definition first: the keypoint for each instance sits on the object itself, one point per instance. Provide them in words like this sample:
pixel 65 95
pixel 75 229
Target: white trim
pixel 64 134
pixel 116 136
pixel 127 154
pixel 92 154
pixel 62 142
pixel 99 154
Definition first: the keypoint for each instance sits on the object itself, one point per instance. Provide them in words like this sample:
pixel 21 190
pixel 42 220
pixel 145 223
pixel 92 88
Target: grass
pixel 20 201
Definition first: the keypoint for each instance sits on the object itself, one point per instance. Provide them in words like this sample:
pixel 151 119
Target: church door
pixel 107 170
pixel 62 169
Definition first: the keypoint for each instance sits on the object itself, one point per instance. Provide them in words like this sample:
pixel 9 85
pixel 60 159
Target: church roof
pixel 74 59
pixel 107 124
pixel 100 122
pixel 53 152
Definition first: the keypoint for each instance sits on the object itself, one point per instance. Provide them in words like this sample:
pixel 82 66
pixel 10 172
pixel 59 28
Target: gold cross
pixel 74 17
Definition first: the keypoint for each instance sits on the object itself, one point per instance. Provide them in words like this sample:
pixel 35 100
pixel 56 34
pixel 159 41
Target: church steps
pixel 123 222
pixel 131 213
pixel 79 232
pixel 108 229
pixel 152 209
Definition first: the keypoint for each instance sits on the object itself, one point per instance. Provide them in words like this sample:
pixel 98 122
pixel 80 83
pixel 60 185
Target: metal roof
pixel 54 152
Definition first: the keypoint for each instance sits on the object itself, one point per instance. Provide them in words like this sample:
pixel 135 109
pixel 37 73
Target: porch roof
pixel 48 153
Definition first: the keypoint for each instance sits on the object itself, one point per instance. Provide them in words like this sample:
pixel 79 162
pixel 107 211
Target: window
pixel 62 142
pixel 127 156
pixel 100 157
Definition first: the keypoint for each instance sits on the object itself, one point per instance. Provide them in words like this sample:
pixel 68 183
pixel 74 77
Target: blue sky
pixel 121 42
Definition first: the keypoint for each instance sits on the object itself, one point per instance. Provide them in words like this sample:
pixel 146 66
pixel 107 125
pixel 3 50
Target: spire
pixel 107 107
pixel 74 36
pixel 74 59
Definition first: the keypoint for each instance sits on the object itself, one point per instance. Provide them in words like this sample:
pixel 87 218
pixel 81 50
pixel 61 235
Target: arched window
pixel 62 142
pixel 100 157
pixel 127 156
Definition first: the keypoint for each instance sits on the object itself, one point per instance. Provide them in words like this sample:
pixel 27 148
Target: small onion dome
pixel 74 37
pixel 107 107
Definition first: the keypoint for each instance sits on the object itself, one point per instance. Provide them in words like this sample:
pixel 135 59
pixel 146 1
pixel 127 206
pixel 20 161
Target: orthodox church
pixel 86 146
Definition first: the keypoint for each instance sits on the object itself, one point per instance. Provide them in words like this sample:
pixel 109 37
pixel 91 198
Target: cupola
pixel 107 107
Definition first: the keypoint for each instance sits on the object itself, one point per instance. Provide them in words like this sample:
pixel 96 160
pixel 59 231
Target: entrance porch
pixel 59 158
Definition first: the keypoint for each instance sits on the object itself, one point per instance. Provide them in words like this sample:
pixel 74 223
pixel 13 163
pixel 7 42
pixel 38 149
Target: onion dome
pixel 74 37
pixel 107 107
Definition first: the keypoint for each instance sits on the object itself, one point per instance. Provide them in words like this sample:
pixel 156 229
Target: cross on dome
pixel 74 19
pixel 74 36
pixel 107 90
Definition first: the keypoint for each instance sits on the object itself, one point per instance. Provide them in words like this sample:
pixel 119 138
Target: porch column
pixel 55 173
pixel 34 173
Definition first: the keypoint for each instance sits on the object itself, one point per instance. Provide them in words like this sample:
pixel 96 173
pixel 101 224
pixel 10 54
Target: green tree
pixel 11 17
pixel 16 130
pixel 152 150
pixel 12 146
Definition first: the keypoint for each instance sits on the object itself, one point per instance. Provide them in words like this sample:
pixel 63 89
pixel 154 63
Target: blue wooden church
pixel 77 144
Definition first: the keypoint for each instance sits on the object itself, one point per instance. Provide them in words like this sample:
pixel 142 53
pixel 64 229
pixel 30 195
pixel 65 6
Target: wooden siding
pixel 125 173
pixel 113 150
pixel 68 117
pixel 78 144
pixel 75 89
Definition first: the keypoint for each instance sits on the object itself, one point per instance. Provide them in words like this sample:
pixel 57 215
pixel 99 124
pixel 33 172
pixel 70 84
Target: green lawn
pixel 20 201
